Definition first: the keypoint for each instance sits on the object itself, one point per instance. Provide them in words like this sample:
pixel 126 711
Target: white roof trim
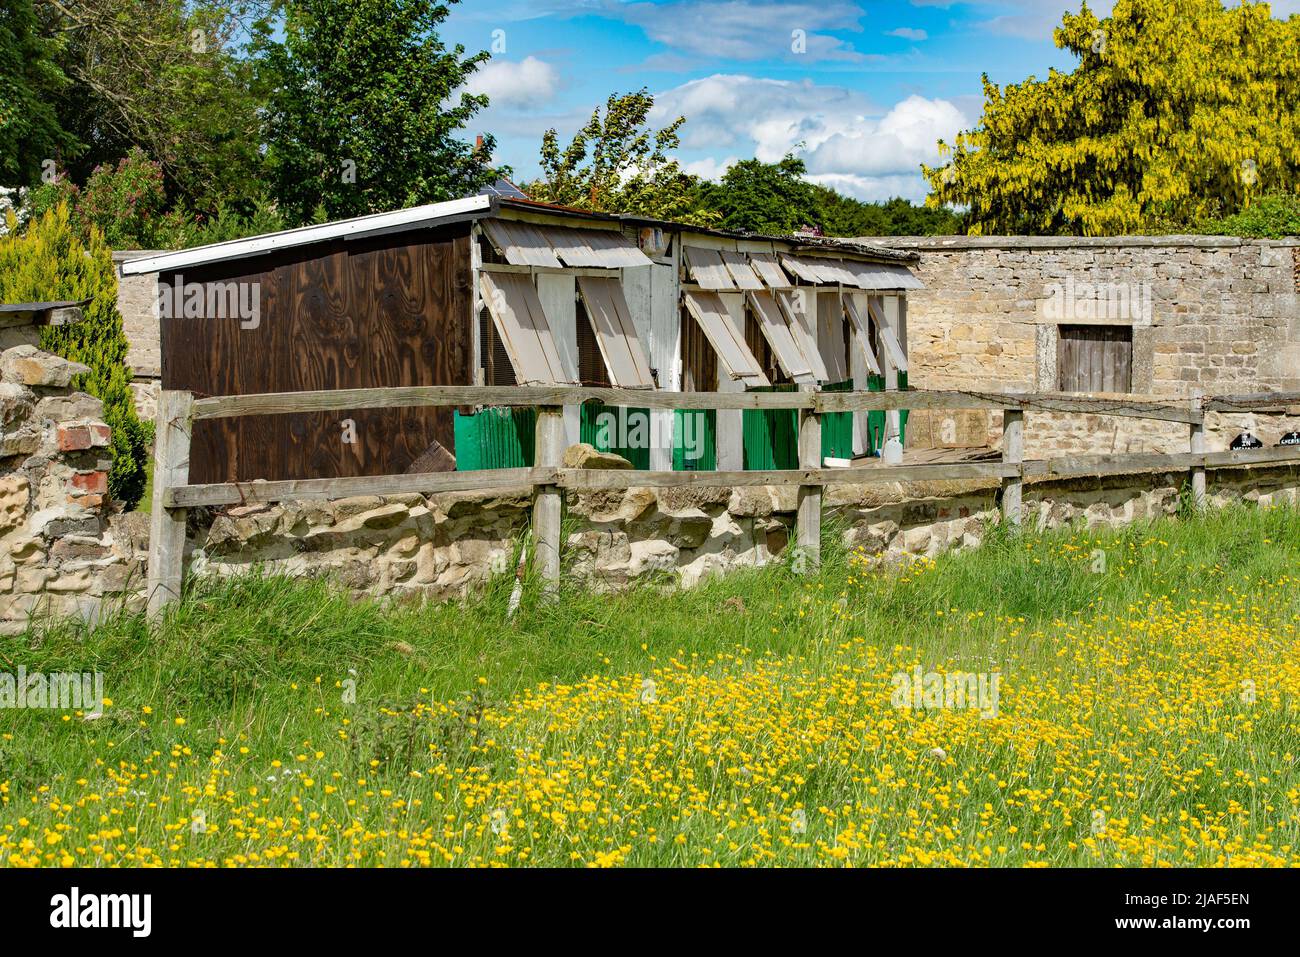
pixel 344 229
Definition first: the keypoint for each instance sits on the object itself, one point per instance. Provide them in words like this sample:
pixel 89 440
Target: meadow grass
pixel 1147 682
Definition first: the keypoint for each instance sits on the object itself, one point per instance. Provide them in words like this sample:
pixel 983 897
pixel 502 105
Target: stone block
pixel 583 455
pixel 27 365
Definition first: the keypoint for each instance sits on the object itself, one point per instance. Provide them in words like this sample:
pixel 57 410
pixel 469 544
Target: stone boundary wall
pixel 441 546
pixel 61 553
pixel 66 551
pixel 1215 313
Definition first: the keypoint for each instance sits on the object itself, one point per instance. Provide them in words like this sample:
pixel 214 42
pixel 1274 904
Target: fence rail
pixel 177 411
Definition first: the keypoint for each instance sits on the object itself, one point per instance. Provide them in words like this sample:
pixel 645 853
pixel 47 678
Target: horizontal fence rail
pixel 338 400
pixel 177 411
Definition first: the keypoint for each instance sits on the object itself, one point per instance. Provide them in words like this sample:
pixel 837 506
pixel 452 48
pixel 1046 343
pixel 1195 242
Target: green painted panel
pixel 699 428
pixel 495 438
pixel 876 417
pixel 837 427
pixel 902 416
pixel 628 434
pixel 770 437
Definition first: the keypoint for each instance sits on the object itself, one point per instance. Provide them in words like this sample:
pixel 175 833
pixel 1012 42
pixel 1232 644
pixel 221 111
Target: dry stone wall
pixel 66 551
pixel 60 555
pixel 441 546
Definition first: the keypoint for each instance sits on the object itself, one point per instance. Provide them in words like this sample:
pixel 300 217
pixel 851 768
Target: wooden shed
pixel 499 291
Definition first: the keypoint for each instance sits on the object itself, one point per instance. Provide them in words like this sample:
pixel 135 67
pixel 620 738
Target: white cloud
pixel 908 33
pixel 876 188
pixel 848 141
pixel 747 29
pixel 710 168
pixel 529 82
pixel 754 113
pixel 902 139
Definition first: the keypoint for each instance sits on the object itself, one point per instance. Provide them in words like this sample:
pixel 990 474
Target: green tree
pixel 841 215
pixel 617 163
pixel 49 261
pixel 30 131
pixel 758 197
pixel 364 108
pixel 1275 216
pixel 1179 110
pixel 165 76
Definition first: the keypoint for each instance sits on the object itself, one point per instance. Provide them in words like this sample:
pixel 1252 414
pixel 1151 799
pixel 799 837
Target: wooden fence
pixel 177 411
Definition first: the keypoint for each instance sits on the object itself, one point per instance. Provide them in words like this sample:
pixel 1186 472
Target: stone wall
pixel 67 552
pixel 440 546
pixel 1218 314
pixel 60 555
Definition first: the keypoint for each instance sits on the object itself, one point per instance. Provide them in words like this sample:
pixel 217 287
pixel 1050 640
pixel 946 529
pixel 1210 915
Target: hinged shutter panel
pixel 615 332
pixel 776 330
pixel 728 341
pixel 855 309
pixel 516 311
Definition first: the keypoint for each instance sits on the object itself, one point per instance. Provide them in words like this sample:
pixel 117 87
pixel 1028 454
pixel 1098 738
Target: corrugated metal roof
pixel 520 243
pixel 486 205
pixel 769 270
pixel 601 248
pixel 417 217
pixel 882 276
pixel 740 270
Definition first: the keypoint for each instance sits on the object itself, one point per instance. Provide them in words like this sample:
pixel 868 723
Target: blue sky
pixel 877 83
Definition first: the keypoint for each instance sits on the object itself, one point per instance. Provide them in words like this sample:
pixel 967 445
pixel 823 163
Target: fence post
pixel 546 504
pixel 1013 452
pixel 808 521
pixel 1197 446
pixel 171 468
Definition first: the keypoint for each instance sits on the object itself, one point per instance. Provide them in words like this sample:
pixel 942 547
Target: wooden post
pixel 546 504
pixel 1197 446
pixel 1013 452
pixel 171 468
pixel 808 522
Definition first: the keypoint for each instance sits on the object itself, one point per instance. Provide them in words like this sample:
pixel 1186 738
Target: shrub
pixel 128 204
pixel 51 260
pixel 1274 216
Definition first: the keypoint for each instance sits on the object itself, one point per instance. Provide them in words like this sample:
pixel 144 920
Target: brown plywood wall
pixel 387 311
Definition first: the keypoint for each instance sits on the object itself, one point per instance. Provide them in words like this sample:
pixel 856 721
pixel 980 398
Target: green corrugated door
pixel 701 427
pixel 628 436
pixel 770 437
pixel 837 427
pixel 495 438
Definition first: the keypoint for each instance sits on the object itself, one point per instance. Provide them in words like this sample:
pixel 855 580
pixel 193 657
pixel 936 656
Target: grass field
pixel 1147 683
